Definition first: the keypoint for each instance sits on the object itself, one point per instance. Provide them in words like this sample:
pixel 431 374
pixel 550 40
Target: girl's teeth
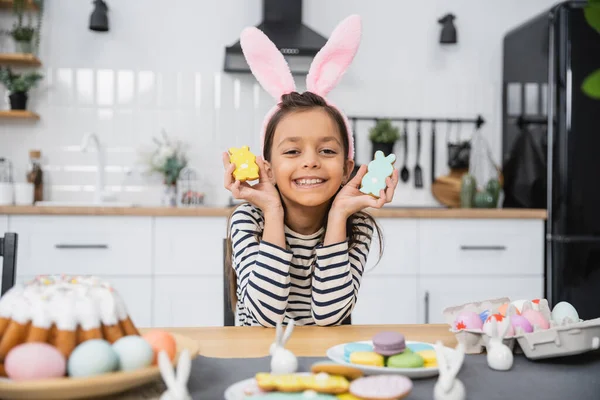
pixel 308 181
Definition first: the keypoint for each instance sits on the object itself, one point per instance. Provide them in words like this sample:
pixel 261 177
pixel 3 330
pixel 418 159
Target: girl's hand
pixel 350 199
pixel 263 195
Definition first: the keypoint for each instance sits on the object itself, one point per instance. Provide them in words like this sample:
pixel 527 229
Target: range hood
pixel 282 23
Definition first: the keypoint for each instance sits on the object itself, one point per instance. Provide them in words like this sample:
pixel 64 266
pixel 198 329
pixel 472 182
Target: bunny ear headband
pixel 327 68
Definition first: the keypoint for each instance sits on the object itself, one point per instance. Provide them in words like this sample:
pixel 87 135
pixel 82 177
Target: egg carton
pixel 559 340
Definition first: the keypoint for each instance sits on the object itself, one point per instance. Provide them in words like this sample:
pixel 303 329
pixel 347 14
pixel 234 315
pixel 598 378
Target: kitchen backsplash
pixel 163 71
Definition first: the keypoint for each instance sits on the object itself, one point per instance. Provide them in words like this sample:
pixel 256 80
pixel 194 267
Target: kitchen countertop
pixel 306 341
pixel 386 212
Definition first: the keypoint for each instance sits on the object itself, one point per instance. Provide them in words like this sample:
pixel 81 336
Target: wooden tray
pixel 101 385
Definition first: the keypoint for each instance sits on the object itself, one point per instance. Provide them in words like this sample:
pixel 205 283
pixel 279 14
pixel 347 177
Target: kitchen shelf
pixel 18 114
pixel 19 59
pixel 8 4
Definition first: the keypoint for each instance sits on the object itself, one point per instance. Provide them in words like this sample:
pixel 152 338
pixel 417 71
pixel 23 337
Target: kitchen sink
pixel 82 204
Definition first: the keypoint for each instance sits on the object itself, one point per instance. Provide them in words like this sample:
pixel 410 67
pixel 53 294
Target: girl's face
pixel 308 161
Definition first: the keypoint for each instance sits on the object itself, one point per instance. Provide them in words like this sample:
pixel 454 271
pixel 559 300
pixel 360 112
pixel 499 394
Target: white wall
pixel 160 66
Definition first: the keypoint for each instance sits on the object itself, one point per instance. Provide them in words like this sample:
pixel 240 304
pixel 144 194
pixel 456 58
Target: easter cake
pixel 64 312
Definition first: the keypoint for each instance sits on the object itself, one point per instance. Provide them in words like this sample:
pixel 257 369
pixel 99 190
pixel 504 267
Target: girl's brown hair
pixel 290 103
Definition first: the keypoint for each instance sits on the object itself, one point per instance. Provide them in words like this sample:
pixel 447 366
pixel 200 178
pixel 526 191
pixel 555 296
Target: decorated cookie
pixel 306 395
pixel 379 169
pixel 246 168
pixel 405 360
pixel 320 383
pixel 381 387
pixel 367 358
pixel 332 368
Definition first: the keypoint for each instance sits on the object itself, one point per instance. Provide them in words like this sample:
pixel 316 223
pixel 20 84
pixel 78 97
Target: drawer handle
pixel 426 301
pixel 501 248
pixel 81 246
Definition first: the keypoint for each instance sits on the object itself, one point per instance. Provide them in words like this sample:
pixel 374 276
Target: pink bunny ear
pixel 332 61
pixel 266 63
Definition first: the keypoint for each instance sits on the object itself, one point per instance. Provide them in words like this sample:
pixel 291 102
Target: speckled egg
pixel 564 311
pixel 520 322
pixel 536 318
pixel 134 352
pixel 161 340
pixel 31 361
pixel 467 320
pixel 92 357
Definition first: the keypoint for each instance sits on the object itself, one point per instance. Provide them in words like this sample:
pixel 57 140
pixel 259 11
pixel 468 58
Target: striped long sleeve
pixel 337 277
pixel 262 269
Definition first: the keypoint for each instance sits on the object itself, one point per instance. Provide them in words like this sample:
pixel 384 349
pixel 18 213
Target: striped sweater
pixel 307 281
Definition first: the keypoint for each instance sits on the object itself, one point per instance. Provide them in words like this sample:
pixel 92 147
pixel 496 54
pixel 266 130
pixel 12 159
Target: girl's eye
pixel 329 151
pixel 291 152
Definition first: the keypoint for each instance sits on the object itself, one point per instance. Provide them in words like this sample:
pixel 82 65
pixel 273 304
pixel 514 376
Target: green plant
pixel 168 159
pixel 384 132
pixel 21 32
pixel 18 82
pixel 591 84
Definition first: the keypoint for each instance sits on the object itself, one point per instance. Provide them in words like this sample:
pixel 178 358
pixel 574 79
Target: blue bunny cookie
pixel 379 169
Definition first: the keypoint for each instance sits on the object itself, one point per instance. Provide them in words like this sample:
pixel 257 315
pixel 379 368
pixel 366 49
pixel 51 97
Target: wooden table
pixel 306 341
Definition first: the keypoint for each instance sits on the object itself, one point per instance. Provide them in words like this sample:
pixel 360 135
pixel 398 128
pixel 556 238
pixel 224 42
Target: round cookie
pixel 308 394
pixel 352 347
pixel 381 387
pixel 367 358
pixel 388 343
pixel 406 360
pixel 429 358
pixel 416 347
pixel 332 368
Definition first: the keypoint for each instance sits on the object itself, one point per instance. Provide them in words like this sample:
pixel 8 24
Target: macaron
pixel 406 360
pixel 352 347
pixel 416 347
pixel 429 358
pixel 388 343
pixel 367 358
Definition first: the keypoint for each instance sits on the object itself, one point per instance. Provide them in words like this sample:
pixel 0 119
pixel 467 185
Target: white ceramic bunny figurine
pixel 499 356
pixel 176 385
pixel 448 387
pixel 283 361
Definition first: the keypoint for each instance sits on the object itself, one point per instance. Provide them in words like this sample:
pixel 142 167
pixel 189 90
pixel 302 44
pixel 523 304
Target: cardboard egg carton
pixel 567 338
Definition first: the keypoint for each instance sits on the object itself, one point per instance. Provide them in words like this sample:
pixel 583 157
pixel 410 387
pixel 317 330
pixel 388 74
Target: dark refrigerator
pixel 551 146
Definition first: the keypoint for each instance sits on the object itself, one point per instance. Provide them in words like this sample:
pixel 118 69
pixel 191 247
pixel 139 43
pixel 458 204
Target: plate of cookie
pixel 388 353
pixel 326 381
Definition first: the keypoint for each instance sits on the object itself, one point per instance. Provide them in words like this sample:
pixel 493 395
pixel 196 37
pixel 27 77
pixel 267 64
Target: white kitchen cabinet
pixel 85 245
pixel 437 293
pixel 136 293
pixel 481 247
pixel 188 301
pixel 189 246
pixel 386 300
pixel 400 250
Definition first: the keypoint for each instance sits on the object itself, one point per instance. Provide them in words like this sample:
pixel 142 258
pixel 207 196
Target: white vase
pixel 24 47
pixel 169 196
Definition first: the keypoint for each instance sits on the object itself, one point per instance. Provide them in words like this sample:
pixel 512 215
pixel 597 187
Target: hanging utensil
pixel 432 151
pixel 405 174
pixel 418 170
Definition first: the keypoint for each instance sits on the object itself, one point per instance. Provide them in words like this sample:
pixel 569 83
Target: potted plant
pixel 383 136
pixel 22 34
pixel 168 159
pixel 18 85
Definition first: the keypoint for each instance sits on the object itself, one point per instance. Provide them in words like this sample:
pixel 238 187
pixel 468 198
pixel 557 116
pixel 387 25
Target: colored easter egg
pixel 161 340
pixel 31 361
pixel 536 318
pixel 501 323
pixel 563 312
pixel 520 322
pixel 467 320
pixel 134 352
pixel 92 357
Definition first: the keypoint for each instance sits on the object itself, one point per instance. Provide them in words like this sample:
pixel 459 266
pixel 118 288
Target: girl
pixel 298 248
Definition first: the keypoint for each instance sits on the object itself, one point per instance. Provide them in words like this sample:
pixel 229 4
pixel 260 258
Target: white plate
pixel 336 353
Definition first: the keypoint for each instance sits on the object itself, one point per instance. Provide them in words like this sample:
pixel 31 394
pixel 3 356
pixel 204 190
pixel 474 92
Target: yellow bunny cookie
pixel 246 168
pixel 320 383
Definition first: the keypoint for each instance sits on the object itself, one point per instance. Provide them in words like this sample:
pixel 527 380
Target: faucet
pixel 99 196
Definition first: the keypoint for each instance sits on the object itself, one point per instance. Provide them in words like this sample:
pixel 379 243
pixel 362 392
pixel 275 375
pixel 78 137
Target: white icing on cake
pixel 64 300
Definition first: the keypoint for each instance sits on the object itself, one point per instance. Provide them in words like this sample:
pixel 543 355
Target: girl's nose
pixel 310 160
